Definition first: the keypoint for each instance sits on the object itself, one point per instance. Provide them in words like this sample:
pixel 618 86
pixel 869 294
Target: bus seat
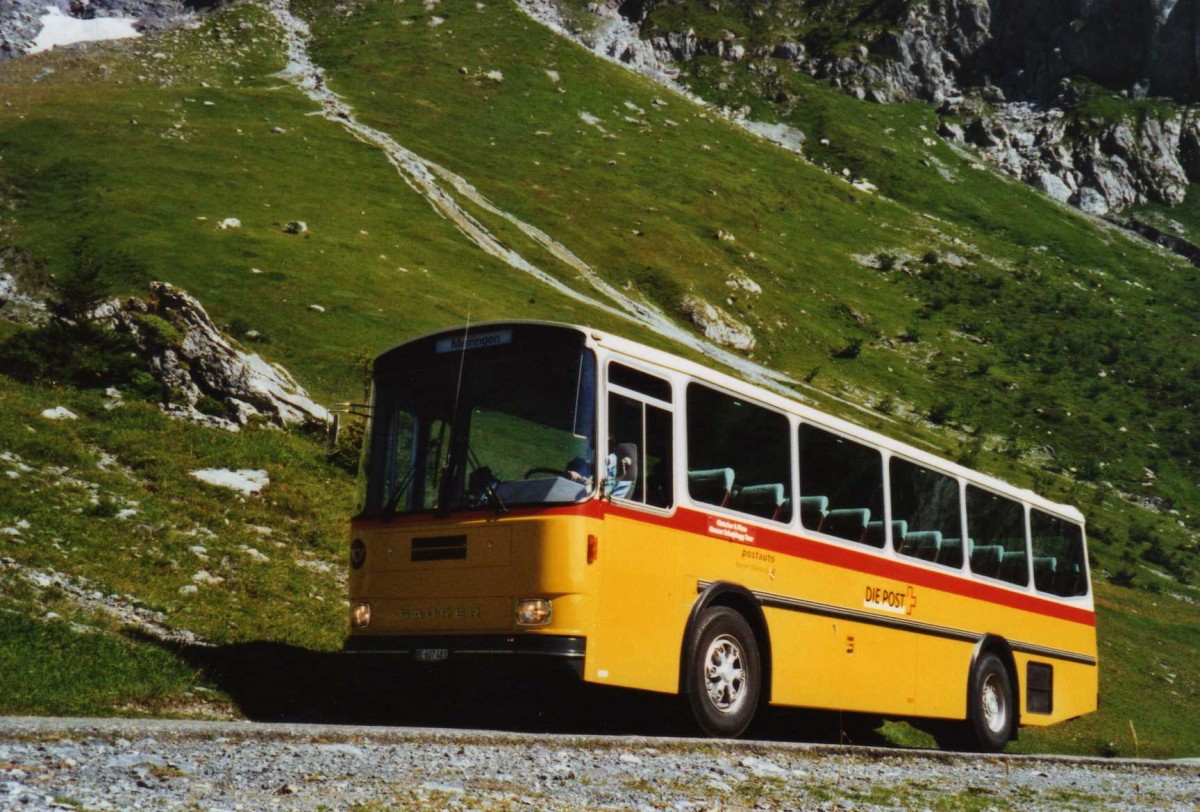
pixel 847 524
pixel 875 536
pixel 951 553
pixel 1044 567
pixel 813 510
pixel 922 544
pixel 759 500
pixel 623 471
pixel 1014 567
pixel 713 485
pixel 985 559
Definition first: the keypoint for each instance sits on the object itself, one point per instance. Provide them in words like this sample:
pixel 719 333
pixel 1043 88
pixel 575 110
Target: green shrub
pixel 941 412
pixel 1123 577
pixel 83 354
pixel 850 351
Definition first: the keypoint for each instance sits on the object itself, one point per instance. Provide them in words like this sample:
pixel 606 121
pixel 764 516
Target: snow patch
pixel 246 480
pixel 59 29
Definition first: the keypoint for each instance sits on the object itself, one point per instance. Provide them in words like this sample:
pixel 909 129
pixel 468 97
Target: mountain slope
pixel 950 307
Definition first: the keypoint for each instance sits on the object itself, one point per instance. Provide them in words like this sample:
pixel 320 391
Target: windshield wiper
pixel 388 511
pixel 495 500
pixel 489 490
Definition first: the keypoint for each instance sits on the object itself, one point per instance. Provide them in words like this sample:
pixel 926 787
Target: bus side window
pixel 841 487
pixel 739 455
pixel 639 460
pixel 1058 566
pixel 996 537
pixel 927 503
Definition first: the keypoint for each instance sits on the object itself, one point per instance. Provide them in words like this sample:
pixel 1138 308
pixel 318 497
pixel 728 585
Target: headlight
pixel 360 615
pixel 358 553
pixel 533 611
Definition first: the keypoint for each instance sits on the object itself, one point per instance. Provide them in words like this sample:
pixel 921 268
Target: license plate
pixel 432 655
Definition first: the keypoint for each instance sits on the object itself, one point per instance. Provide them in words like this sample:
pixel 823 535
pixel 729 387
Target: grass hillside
pixel 949 307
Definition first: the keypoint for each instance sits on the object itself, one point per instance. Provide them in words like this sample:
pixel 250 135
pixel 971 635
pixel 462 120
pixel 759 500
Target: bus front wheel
pixel 725 676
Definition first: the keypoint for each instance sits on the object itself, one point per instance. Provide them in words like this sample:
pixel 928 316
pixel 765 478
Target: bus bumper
pixel 437 648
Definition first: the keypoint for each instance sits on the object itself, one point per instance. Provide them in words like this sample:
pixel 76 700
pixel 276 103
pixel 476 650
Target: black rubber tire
pixel 991 706
pixel 728 708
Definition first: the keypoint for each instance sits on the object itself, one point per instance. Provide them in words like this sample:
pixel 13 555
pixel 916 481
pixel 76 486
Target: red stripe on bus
pixel 797 546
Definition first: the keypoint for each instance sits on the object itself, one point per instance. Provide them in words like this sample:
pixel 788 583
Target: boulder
pixel 202 363
pixel 1053 186
pixel 717 325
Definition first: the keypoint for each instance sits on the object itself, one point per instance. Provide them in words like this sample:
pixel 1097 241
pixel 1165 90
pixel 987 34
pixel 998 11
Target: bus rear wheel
pixel 991 711
pixel 724 673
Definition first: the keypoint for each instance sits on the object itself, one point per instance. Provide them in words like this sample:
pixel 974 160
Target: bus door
pixel 635 641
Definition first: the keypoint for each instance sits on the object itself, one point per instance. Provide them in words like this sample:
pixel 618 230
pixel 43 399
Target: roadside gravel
pixel 168 765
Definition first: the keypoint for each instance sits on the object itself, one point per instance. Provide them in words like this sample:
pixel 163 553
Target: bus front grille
pixel 439 548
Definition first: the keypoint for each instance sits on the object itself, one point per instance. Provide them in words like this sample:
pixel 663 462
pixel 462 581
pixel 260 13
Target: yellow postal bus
pixel 552 491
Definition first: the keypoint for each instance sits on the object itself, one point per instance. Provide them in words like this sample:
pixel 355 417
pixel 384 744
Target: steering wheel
pixel 551 471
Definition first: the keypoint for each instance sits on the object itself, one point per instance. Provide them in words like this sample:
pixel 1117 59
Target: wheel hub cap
pixel 995 710
pixel 725 674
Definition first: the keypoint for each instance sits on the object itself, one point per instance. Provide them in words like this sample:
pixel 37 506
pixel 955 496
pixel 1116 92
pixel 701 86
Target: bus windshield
pixel 483 420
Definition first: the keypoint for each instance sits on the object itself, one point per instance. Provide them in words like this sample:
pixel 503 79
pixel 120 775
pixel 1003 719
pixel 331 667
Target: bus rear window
pixel 1058 565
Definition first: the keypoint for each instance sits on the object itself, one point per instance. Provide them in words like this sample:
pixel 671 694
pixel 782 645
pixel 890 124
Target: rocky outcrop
pixel 922 55
pixel 194 361
pixel 614 34
pixel 1096 164
pixel 1027 48
pixel 1172 242
pixel 931 50
pixel 717 325
pixel 1025 65
pixel 17 304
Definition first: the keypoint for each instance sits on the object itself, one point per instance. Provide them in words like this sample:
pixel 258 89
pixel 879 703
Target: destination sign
pixel 474 341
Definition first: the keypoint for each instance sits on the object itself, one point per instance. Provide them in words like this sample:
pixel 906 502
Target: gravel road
pixel 155 764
